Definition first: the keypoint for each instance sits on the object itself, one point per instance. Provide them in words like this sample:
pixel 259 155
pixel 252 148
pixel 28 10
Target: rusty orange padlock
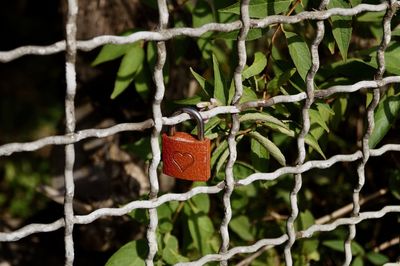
pixel 185 156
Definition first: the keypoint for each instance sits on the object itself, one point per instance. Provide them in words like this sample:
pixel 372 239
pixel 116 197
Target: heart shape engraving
pixel 182 160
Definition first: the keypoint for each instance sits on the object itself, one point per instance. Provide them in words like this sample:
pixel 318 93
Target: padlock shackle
pixel 193 114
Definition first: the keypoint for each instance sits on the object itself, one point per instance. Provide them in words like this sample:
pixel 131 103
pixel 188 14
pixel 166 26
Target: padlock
pixel 185 156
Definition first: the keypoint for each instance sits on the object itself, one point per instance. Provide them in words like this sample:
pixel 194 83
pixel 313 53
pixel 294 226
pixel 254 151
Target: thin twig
pixel 387 244
pixel 349 207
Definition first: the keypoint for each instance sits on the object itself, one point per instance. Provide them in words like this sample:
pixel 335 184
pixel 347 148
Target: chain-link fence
pixel 162 34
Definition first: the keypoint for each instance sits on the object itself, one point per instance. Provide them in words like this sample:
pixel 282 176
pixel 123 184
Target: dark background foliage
pixel 198 72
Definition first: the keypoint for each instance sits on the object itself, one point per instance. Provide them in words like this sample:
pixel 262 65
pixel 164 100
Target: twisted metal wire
pixel 155 146
pixel 70 76
pixel 380 56
pixel 71 45
pixel 298 180
pixel 147 204
pixel 232 145
pixel 10 148
pixel 168 34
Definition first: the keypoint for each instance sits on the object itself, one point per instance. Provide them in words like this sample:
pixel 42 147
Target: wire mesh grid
pixel 162 34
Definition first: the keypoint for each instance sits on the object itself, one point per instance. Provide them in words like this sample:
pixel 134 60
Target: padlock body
pixel 186 157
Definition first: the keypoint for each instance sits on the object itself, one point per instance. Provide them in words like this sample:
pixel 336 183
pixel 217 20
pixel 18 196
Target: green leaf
pixel 141 148
pixel 203 14
pixel 315 117
pixel 277 128
pixel 316 131
pixel 189 101
pixel 279 80
pixel 201 230
pixel 130 64
pixel 299 52
pixel 329 42
pixel 222 160
pixel 325 109
pixel 259 63
pixel 253 34
pixel 242 170
pixel 310 247
pixel 385 115
pixel 241 226
pixel 164 218
pixel 201 203
pixel 356 248
pixel 371 17
pixel 248 95
pixel 219 88
pixel 259 156
pixel 215 243
pixel 262 117
pixel 164 211
pixel 110 52
pixel 310 140
pixel 231 92
pixel 319 119
pixel 338 245
pixel 270 146
pixel 131 254
pixel 239 202
pixel 212 123
pixel 170 253
pixel 392 58
pixel 342 28
pixel 140 215
pixel 204 84
pixel 306 220
pixel 355 2
pixel 377 258
pixel 260 8
pixel 395 32
pixel 113 51
pixel 173 205
pixel 220 148
pixel 249 191
pixel 142 83
pixel 349 71
pixel 358 261
pixel 151 54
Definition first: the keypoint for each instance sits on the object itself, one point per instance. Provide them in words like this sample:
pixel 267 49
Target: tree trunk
pixel 104 17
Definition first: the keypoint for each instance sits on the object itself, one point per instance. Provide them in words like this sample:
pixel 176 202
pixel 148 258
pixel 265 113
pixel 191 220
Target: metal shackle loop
pixel 193 114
